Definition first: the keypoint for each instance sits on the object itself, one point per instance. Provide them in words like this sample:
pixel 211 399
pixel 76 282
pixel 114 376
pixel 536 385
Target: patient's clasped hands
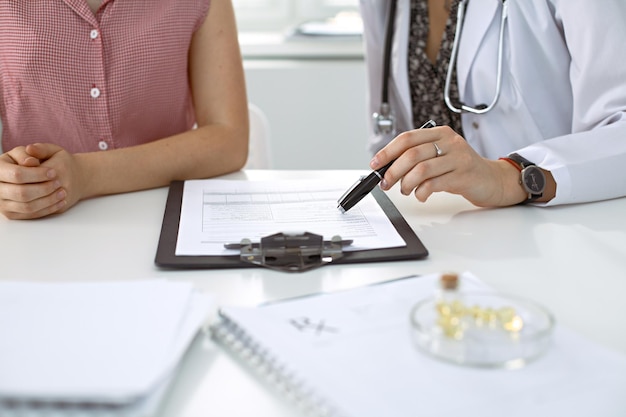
pixel 38 180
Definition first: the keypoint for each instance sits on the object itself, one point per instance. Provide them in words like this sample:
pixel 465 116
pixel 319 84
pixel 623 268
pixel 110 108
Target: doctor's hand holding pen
pixel 439 159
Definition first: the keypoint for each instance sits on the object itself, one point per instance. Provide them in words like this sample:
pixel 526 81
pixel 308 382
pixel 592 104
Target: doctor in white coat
pixel 562 104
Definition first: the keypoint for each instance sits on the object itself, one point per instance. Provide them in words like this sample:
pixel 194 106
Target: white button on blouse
pixel 95 92
pixel 103 145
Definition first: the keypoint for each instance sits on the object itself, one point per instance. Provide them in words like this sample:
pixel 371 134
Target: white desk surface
pixel 572 259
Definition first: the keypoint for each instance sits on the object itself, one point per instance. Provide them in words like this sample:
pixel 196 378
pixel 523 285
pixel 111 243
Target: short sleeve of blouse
pixel 203 11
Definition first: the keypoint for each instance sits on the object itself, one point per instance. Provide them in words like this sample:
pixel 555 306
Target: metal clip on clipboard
pixel 292 252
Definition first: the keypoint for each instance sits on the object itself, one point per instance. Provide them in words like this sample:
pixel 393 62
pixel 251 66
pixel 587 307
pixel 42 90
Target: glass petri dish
pixel 485 334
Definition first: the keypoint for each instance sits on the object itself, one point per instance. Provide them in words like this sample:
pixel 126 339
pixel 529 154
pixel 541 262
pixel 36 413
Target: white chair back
pixel 259 154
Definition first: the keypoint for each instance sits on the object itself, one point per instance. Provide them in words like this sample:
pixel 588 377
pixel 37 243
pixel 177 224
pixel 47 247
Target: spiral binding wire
pixel 267 366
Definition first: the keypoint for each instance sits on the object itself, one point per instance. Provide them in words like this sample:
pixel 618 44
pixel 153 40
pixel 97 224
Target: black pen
pixel 365 185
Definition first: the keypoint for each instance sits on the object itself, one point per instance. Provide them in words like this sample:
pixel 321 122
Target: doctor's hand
pixel 438 159
pixel 34 181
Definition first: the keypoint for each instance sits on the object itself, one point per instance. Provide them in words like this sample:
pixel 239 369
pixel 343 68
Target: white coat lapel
pixel 478 18
pixel 399 60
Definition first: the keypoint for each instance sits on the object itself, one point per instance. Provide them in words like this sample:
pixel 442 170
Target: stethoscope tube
pixel 384 121
pixel 481 108
pixel 388 48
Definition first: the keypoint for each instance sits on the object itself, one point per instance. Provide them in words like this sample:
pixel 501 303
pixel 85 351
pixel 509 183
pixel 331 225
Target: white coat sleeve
pixel 590 163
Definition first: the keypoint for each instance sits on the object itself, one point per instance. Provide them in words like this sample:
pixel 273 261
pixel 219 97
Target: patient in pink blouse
pixel 101 97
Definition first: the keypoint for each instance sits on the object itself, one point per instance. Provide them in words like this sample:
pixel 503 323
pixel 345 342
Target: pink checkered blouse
pixel 87 83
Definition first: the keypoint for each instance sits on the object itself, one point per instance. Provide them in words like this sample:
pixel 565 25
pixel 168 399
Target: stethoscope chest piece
pixel 384 121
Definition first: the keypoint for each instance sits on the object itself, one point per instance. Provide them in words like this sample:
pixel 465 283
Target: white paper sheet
pixel 110 342
pixel 216 212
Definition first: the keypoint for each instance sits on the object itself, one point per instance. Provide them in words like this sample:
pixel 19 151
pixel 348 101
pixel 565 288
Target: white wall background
pixel 316 111
pixel 312 89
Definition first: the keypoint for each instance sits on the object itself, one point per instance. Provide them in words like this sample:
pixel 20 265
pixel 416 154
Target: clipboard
pixel 166 250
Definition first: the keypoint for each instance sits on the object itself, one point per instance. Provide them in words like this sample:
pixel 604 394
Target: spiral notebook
pixel 350 354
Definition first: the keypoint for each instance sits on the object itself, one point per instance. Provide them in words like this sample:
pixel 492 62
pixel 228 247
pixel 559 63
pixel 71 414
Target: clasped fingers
pixel 17 174
pixel 31 201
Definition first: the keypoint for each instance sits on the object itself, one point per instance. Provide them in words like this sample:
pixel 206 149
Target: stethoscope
pixel 384 121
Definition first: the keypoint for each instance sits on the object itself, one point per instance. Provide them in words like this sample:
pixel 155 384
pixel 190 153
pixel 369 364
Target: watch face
pixel 533 180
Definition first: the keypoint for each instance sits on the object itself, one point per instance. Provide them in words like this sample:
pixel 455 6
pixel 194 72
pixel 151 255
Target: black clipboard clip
pixel 296 252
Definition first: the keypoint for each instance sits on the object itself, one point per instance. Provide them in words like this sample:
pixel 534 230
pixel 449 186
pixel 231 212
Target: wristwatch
pixel 533 180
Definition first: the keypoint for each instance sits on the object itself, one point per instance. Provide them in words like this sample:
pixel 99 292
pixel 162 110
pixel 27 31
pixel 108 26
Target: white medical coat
pixel 563 100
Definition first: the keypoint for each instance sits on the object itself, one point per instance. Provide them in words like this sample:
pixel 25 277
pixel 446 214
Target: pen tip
pixel 341 209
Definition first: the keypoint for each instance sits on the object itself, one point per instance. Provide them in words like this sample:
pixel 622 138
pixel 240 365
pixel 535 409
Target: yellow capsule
pixel 443 322
pixel 491 317
pixel 457 307
pixel 482 317
pixel 506 314
pixel 453 332
pixel 474 311
pixel 444 309
pixel 514 325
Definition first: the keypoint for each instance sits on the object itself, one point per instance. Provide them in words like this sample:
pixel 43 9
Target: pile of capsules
pixel 455 317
